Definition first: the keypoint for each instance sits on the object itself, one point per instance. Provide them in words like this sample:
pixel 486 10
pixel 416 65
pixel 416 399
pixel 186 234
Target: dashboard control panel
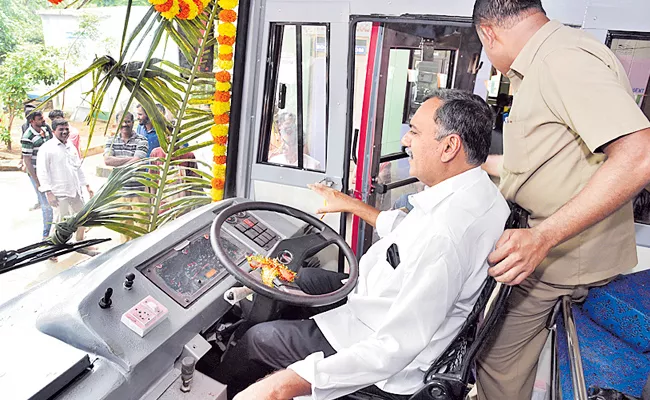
pixel 254 230
pixel 190 269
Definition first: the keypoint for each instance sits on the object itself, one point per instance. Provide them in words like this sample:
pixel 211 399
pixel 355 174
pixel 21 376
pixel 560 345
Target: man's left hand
pixel 518 252
pixel 90 191
pixel 283 385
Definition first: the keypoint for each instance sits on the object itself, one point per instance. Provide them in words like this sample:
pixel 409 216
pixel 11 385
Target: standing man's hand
pixel 90 191
pixel 336 201
pixel 518 252
pixel 51 198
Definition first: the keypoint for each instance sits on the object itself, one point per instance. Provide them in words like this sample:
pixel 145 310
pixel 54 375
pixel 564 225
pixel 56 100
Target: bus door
pixel 398 62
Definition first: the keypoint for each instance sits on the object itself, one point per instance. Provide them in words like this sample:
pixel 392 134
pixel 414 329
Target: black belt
pixel 518 218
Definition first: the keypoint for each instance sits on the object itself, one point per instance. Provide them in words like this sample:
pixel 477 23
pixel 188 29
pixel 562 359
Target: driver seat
pixel 449 377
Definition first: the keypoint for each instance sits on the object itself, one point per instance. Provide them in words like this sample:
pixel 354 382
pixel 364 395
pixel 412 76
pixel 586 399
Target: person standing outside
pixel 74 132
pixel 566 161
pixel 32 140
pixel 60 174
pixel 146 129
pixel 123 149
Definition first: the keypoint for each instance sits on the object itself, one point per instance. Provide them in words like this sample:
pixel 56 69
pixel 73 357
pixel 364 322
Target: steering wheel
pixel 290 252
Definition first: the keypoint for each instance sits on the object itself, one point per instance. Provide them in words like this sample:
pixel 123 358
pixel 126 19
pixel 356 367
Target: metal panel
pixel 255 57
pixel 568 12
pixel 624 15
pixel 337 15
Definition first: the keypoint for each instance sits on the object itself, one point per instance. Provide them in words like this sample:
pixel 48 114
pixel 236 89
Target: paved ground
pixel 21 227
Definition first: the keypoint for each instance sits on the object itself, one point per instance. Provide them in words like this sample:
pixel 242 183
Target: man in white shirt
pixel 288 130
pixel 402 315
pixel 60 175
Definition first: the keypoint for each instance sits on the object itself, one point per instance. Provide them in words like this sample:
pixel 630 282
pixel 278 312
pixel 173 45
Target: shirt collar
pixel 428 199
pixel 526 56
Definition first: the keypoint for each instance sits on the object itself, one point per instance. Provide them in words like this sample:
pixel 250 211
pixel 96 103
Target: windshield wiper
pixel 14 259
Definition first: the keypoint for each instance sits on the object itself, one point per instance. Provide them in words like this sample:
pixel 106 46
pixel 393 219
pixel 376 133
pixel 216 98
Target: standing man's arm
pixel 113 161
pixel 27 151
pixel 625 173
pixel 27 160
pixel 82 177
pixel 588 97
pixel 493 165
pixel 45 183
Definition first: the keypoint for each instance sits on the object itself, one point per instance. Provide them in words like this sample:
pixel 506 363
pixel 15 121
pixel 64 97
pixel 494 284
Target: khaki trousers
pixel 131 199
pixel 508 364
pixel 69 206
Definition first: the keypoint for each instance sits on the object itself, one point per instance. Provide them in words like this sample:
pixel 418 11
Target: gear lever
pixel 105 302
pixel 128 283
pixel 187 373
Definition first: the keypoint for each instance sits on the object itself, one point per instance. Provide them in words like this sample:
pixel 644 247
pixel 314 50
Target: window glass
pixel 634 54
pixel 396 66
pixel 430 69
pixel 314 95
pixel 635 57
pixel 300 98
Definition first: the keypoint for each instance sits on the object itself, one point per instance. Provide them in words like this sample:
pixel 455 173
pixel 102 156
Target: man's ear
pixel 488 34
pixel 452 146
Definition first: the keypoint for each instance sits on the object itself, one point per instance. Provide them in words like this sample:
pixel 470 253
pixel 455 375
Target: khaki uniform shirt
pixel 571 97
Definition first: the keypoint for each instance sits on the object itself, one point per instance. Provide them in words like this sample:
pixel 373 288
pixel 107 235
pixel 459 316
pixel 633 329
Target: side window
pixel 294 124
pixel 633 51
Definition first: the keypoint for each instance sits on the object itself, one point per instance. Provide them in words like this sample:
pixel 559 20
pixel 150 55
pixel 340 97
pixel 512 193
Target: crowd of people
pixel 52 159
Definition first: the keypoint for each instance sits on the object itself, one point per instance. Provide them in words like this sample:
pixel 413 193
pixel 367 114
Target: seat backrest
pixel 459 355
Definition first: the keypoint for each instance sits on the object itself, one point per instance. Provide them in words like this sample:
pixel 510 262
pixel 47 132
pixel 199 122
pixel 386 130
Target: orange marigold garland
pixel 220 107
pixel 271 269
pixel 181 9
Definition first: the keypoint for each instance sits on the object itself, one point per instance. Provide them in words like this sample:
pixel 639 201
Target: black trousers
pixel 274 345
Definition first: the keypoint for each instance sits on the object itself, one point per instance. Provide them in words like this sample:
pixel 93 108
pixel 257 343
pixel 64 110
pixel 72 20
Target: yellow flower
pixel 205 2
pixel 157 2
pixel 194 10
pixel 223 64
pixel 227 4
pixel 219 171
pixel 225 49
pixel 219 107
pixel 223 86
pixel 216 194
pixel 227 29
pixel 173 10
pixel 219 150
pixel 219 130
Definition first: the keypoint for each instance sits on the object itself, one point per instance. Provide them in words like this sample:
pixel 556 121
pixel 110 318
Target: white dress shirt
pixel 59 169
pixel 398 321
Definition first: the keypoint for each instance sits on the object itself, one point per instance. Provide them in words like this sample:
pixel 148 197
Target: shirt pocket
pixel 383 279
pixel 516 155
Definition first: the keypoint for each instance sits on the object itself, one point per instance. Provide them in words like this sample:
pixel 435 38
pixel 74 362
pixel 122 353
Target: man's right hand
pixel 335 201
pixel 51 198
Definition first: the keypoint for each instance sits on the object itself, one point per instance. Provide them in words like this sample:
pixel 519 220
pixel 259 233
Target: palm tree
pixel 184 92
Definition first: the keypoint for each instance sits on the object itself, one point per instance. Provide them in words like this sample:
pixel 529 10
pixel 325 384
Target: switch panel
pixel 145 316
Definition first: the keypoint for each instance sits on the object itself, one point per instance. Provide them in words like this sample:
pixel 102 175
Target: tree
pixel 19 24
pixel 20 71
pixel 184 92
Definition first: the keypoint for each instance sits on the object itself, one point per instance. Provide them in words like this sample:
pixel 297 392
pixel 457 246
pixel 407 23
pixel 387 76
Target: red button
pixel 248 222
